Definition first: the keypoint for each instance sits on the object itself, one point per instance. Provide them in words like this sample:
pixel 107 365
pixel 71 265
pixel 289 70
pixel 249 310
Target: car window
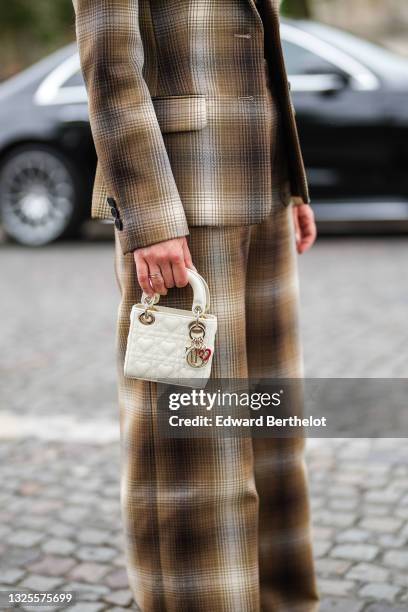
pixel 302 61
pixel 75 80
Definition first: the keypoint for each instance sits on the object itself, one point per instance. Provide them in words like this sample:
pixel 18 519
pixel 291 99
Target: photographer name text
pixel 260 421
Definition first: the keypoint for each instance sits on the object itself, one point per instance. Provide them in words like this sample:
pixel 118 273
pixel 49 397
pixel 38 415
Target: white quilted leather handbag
pixel 171 345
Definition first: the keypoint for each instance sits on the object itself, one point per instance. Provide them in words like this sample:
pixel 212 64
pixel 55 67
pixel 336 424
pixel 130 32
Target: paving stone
pixel 322 533
pixel 32 521
pixel 113 490
pixel 382 496
pixel 25 538
pixel 12 575
pixel 117 540
pixel 384 607
pixel 355 552
pixel 335 519
pixel 17 556
pixel 335 587
pixel 83 499
pixel 58 546
pixel 375 510
pixel 39 608
pixel 96 553
pixel 120 609
pixel 400 578
pixel 382 525
pixel 380 591
pixel 120 598
pixel 6 517
pixel 61 530
pixel 353 535
pixel 86 592
pixel 87 607
pixel 119 561
pixel 73 515
pixel 321 548
pixel 44 506
pixel 52 565
pixel 402 512
pixel 29 487
pixel 391 541
pixel 41 583
pixel 4 531
pixel 92 536
pixel 331 567
pixel 355 476
pixel 338 490
pixel 89 572
pixel 368 572
pixel 94 484
pixel 118 579
pixel 343 503
pixel 396 558
pixel 334 604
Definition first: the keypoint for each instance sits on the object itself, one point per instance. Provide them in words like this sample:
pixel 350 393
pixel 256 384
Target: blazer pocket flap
pixel 180 113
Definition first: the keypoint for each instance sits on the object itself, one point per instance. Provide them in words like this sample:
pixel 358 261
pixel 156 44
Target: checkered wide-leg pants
pixel 220 524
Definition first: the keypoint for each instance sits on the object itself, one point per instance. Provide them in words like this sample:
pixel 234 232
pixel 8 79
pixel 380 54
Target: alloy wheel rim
pixel 37 197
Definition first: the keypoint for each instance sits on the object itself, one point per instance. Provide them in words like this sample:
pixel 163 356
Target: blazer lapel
pixel 270 11
pixel 254 9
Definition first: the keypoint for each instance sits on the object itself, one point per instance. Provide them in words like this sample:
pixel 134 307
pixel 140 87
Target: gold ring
pixel 157 274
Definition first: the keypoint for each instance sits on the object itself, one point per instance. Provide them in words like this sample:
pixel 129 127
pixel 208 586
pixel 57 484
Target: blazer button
pixel 111 202
pixel 119 224
pixel 115 213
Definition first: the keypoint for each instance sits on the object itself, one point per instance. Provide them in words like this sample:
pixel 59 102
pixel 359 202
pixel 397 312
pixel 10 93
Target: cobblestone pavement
pixel 59 455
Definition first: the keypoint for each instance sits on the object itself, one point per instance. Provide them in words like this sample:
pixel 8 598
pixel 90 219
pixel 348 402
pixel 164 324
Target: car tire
pixel 40 195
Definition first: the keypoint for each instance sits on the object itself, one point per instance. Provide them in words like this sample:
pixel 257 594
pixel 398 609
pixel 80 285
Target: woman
pixel 199 165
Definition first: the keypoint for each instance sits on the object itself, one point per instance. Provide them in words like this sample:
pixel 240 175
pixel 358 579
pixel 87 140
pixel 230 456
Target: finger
pixel 179 271
pixel 308 236
pixel 187 256
pixel 142 272
pixel 307 228
pixel 297 226
pixel 156 278
pixel 167 274
pixel 308 225
pixel 305 245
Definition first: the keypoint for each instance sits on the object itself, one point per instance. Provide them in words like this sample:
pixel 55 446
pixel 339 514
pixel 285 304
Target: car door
pixel 340 116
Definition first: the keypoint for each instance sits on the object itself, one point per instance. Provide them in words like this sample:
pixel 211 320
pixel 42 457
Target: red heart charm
pixel 204 354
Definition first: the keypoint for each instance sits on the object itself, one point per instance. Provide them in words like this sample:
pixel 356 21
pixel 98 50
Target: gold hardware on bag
pixel 196 329
pixel 147 318
pixel 197 354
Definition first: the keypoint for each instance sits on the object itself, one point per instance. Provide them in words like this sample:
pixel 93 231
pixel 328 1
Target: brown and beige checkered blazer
pixel 178 111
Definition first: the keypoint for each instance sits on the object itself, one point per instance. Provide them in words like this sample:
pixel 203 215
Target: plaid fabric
pixel 220 524
pixel 180 115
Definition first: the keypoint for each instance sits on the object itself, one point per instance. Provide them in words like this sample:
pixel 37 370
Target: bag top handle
pixel 201 294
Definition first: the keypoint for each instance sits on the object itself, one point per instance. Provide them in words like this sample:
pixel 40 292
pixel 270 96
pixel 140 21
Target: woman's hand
pixel 305 227
pixel 163 265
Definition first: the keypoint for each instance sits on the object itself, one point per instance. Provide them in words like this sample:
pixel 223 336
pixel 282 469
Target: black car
pixel 351 103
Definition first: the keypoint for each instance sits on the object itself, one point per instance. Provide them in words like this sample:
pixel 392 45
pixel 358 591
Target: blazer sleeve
pixel 128 140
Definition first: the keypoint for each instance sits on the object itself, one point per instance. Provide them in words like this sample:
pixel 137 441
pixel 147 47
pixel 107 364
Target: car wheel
pixel 39 195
